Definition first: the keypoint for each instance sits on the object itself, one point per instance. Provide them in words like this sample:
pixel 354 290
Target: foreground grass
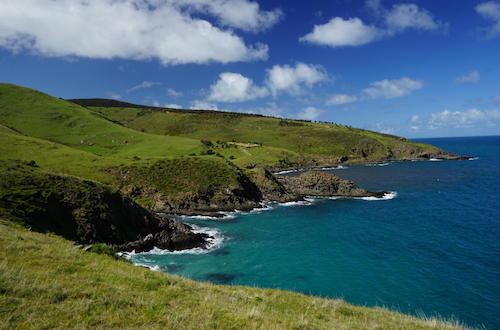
pixel 46 282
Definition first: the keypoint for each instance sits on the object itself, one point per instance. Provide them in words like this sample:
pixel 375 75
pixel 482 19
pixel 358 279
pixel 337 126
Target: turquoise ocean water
pixel 432 250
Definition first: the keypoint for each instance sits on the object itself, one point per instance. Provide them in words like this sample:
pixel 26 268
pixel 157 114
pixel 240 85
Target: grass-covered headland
pixel 96 172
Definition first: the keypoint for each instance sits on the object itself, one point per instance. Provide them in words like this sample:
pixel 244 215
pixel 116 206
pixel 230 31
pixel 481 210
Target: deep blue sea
pixel 433 250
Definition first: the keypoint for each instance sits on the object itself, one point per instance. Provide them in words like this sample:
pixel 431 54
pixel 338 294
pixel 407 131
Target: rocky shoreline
pixel 88 212
pixel 440 155
pixel 284 189
pixel 263 186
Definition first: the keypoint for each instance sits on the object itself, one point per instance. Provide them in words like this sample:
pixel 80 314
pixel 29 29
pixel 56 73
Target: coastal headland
pixel 98 172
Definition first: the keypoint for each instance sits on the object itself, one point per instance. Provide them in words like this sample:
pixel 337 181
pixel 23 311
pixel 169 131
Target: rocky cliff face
pixel 311 183
pixel 86 211
pixel 323 184
pixel 189 186
pixel 271 188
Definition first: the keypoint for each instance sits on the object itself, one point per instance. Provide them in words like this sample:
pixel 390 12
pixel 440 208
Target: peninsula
pixel 97 172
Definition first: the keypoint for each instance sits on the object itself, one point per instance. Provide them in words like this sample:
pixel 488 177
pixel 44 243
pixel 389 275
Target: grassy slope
pixel 68 139
pixel 39 115
pixel 323 141
pixel 45 282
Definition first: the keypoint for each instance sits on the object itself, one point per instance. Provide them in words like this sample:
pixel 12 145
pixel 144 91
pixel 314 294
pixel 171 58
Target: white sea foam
pixel 474 158
pixel 435 160
pixel 387 196
pixel 338 167
pixel 378 164
pixel 289 171
pixel 224 216
pixel 156 268
pixel 298 203
pixel 265 206
pixel 214 242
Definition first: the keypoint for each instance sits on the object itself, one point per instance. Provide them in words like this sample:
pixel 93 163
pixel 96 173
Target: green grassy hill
pixel 101 143
pixel 46 282
pixel 39 115
pixel 279 138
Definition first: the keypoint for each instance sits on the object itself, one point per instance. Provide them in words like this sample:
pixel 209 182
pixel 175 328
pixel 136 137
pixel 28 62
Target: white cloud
pixel 338 99
pixel 490 11
pixel 203 105
pixel 496 100
pixel 173 93
pixel 463 119
pixel 339 32
pixel 389 89
pixel 173 106
pixel 294 79
pixel 309 113
pixel 472 77
pixel 115 96
pixel 410 16
pixel 415 121
pixel 165 30
pixel 383 128
pixel 234 87
pixel 242 14
pixel 271 109
pixel 143 85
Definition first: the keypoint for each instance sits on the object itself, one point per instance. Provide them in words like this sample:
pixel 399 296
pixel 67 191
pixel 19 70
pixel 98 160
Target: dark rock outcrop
pixel 86 212
pixel 189 186
pixel 323 184
pixel 312 183
pixel 169 235
pixel 272 189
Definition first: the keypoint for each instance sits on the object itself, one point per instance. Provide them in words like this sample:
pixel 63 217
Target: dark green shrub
pixel 101 248
pixel 207 143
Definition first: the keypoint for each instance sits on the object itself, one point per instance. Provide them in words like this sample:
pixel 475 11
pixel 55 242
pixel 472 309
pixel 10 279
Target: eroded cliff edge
pixel 86 212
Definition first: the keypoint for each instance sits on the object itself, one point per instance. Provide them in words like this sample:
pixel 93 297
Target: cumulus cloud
pixel 382 128
pixel 115 96
pixel 463 119
pixel 242 14
pixel 472 77
pixel 293 79
pixel 490 11
pixel 309 113
pixel 415 123
pixel 166 30
pixel 410 16
pixel 389 89
pixel 143 85
pixel 173 93
pixel 234 87
pixel 338 99
pixel 340 32
pixel 173 106
pixel 203 105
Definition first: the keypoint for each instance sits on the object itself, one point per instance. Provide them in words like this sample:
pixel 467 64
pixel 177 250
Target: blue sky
pixel 421 68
